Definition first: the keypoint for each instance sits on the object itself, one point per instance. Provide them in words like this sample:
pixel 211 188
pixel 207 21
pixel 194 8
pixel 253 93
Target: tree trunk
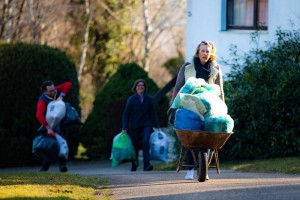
pixel 86 39
pixel 147 35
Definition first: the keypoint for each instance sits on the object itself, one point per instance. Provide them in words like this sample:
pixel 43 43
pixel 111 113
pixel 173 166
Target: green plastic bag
pixel 219 123
pixel 122 150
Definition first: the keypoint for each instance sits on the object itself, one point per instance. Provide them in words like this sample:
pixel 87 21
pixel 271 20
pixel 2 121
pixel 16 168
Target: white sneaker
pixel 189 175
pixel 207 178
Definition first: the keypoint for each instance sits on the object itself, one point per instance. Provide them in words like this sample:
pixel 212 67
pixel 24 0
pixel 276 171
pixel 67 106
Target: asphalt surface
pixel 161 185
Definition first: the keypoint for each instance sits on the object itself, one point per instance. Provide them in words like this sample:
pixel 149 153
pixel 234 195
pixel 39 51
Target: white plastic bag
pixel 63 146
pixel 159 146
pixel 56 111
pixel 203 104
pixel 190 102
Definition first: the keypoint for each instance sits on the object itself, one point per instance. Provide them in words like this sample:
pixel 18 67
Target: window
pixel 247 14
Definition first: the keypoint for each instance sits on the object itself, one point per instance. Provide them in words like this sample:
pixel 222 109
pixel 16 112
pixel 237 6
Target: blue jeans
pixel 138 136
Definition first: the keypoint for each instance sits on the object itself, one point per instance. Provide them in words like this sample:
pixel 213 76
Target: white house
pixel 227 22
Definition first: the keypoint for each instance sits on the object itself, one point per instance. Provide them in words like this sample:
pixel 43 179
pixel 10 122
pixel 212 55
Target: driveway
pixel 159 185
pixel 229 185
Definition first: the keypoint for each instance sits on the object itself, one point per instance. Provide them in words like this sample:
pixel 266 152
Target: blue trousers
pixel 140 138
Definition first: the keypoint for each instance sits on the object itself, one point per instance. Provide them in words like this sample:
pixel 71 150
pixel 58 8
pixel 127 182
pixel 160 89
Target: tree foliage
pixel 173 65
pixel 23 68
pixel 263 95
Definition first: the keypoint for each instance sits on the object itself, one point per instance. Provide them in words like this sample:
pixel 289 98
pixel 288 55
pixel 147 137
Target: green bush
pixel 262 95
pixel 23 67
pixel 173 65
pixel 104 122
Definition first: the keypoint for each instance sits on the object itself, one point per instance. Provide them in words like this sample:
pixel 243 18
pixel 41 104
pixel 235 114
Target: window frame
pixel 255 26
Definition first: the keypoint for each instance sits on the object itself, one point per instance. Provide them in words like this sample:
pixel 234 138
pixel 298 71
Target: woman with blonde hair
pixel 203 65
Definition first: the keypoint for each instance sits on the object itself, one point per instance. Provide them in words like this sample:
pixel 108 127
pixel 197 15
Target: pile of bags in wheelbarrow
pixel 199 107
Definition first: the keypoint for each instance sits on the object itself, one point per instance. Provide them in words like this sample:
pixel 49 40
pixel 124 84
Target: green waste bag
pixel 122 150
pixel 219 123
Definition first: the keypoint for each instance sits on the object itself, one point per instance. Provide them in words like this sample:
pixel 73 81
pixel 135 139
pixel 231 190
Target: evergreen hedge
pixel 23 67
pixel 105 121
pixel 263 95
pixel 173 65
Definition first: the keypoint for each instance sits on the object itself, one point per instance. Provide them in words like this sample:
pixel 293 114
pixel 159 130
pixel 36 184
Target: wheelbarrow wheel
pixel 202 167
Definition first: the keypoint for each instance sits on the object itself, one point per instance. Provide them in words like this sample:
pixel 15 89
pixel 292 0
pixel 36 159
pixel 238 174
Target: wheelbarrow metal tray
pixel 202 139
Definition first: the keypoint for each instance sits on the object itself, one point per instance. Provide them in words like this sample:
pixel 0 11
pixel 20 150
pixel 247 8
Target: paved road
pixel 228 185
pixel 160 185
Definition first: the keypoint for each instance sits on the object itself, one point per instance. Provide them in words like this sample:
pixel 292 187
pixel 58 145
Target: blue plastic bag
pixel 159 145
pixel 188 120
pixel 45 147
pixel 71 117
pixel 63 146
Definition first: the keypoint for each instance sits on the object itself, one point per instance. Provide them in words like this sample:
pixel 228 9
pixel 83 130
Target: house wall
pixel 204 23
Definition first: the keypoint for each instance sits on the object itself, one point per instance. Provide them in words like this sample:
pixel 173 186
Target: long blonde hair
pixel 213 56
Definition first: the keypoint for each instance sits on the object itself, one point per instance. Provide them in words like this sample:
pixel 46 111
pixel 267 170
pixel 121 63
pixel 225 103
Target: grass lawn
pixel 277 165
pixel 36 185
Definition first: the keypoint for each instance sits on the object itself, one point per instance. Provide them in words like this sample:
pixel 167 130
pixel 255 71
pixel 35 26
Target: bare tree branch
pixel 3 17
pixel 159 19
pixel 85 40
pixel 105 7
pixel 18 23
pixel 148 32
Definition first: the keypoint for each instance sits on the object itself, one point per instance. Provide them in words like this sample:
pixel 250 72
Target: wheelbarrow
pixel 191 139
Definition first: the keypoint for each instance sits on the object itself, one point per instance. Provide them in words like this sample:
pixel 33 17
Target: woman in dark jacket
pixel 139 118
